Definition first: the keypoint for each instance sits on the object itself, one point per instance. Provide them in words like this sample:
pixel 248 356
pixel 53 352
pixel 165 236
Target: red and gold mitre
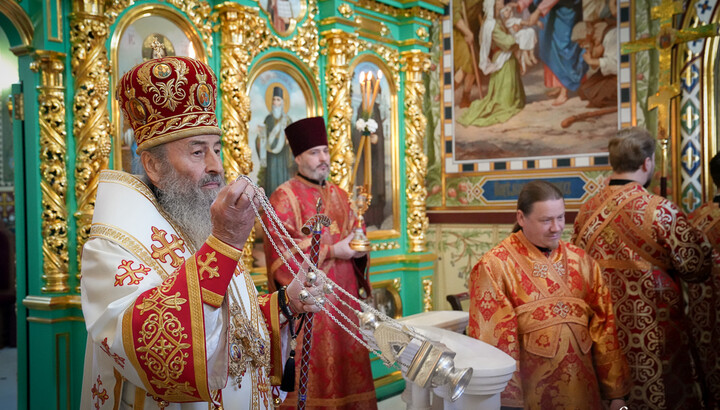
pixel 169 98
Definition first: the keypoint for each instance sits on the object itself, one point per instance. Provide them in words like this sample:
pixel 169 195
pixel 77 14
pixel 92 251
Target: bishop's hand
pixel 302 296
pixel 232 214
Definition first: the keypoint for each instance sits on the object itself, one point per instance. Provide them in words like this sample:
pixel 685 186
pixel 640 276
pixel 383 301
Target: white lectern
pixel 492 368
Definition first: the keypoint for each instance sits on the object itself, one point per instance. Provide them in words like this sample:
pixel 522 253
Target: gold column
pixel 241 40
pixel 340 47
pixel 243 36
pixel 414 63
pixel 91 120
pixel 53 177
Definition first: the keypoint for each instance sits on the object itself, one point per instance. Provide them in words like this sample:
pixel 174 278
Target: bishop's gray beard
pixel 189 205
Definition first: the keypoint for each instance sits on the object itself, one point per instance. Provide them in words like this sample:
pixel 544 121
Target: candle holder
pixel 359 203
pixel 369 86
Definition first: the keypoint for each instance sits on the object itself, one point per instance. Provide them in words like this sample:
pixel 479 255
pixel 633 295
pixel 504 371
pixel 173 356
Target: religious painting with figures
pixel 279 96
pixel 533 81
pixel 284 14
pixel 276 100
pixel 132 44
pixel 372 143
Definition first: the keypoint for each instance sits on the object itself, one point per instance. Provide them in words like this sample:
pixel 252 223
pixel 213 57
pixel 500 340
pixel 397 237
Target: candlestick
pixel 375 90
pixel 362 90
pixel 368 82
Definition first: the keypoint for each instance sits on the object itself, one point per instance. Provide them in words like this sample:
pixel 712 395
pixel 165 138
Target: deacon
pixel 339 373
pixel 173 322
pixel 645 245
pixel 704 298
pixel 543 301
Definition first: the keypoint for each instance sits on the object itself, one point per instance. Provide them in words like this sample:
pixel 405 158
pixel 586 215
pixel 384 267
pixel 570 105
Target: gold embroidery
pixel 163 339
pixel 205 266
pixel 167 248
pixel 170 94
pixel 211 298
pixel 130 273
pixel 130 244
pixel 223 248
pixel 609 235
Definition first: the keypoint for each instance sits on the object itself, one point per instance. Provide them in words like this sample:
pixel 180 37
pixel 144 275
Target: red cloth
pixel 644 243
pixel 340 375
pixel 166 99
pixel 554 316
pixel 704 306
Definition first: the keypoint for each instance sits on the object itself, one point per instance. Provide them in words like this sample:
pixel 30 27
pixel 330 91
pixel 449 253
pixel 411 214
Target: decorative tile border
pixel 626 71
pixel 693 113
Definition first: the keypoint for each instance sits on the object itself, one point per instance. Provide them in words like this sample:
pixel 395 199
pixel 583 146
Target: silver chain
pixel 277 224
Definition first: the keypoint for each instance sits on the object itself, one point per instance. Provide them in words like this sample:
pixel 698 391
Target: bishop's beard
pixel 188 204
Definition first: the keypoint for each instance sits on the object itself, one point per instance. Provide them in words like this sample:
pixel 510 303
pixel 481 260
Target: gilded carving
pixel 382 8
pixel 427 285
pixel 197 11
pixel 414 63
pixel 113 8
pixel 345 10
pixel 340 47
pixel 243 35
pixel 390 55
pixel 20 20
pixel 422 33
pixel 91 120
pixel 384 246
pixel 53 183
pixel 305 44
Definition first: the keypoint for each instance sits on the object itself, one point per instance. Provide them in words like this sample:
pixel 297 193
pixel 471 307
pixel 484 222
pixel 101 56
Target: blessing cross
pixel 667 38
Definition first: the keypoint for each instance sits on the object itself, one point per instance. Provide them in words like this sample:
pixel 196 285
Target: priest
pixel 544 302
pixel 646 247
pixel 339 367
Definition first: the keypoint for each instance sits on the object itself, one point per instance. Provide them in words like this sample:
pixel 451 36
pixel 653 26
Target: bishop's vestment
pixel 644 244
pixel 339 373
pixel 553 315
pixel 169 326
pixel 704 304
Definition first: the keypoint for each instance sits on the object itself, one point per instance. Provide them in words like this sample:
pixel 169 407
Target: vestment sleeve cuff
pixel 224 248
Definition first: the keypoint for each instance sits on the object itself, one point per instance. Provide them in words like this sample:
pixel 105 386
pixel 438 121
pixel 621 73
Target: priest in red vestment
pixel 646 246
pixel 704 298
pixel 544 302
pixel 339 374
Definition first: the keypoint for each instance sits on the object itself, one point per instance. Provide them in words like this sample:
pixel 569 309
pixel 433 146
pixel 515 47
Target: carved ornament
pixel 53 178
